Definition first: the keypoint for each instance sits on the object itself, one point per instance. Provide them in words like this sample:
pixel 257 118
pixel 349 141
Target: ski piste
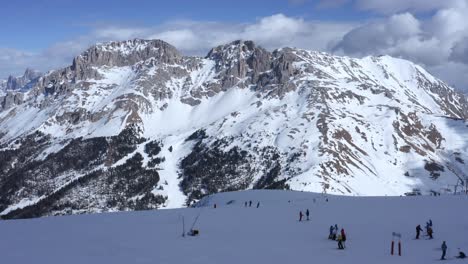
pixel 233 234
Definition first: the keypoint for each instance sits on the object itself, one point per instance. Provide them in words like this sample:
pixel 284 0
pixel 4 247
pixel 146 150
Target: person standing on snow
pixel 245 204
pixel 444 250
pixel 429 232
pixel 335 231
pixel 330 236
pixel 250 203
pixel 343 236
pixel 300 216
pixel 307 214
pixel 258 204
pixel 418 231
pixel 340 242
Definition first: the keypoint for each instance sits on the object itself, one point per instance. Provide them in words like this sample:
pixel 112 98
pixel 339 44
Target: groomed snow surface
pixel 232 233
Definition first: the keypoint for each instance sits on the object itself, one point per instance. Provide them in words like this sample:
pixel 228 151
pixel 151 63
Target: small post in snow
pixel 183 226
pixel 396 235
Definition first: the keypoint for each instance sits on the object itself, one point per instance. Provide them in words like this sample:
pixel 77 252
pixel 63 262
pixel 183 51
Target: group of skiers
pixel 443 247
pixel 429 230
pixel 301 215
pixel 250 204
pixel 339 237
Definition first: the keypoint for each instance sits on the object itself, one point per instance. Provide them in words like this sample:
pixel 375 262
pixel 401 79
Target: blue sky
pixel 46 34
pixel 50 21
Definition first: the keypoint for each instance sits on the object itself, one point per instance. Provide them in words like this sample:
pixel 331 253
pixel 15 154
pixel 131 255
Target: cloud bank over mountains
pixel 432 33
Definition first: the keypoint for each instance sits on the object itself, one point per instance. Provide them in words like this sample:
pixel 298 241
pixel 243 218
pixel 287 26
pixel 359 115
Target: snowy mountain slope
pixel 136 125
pixel 232 233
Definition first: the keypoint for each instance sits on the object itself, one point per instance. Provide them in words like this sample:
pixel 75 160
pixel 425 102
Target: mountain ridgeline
pixel 136 125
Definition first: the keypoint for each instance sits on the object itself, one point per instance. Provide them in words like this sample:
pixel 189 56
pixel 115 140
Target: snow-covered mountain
pixel 135 125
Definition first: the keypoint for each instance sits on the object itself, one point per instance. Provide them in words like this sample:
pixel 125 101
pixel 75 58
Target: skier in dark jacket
pixel 429 232
pixel 418 231
pixel 258 204
pixel 250 203
pixel 307 214
pixel 461 254
pixel 330 236
pixel 444 250
pixel 300 216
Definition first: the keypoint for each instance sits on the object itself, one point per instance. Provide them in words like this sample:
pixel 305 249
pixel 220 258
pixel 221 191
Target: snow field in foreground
pixel 232 233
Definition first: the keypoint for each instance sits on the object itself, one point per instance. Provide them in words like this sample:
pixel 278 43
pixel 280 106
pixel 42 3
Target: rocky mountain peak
pixel 20 82
pixel 127 53
pixel 234 50
pixel 243 63
pixel 31 74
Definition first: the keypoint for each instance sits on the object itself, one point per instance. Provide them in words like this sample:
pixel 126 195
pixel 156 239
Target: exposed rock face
pixel 135 125
pixel 23 82
pixel 12 90
pixel 242 63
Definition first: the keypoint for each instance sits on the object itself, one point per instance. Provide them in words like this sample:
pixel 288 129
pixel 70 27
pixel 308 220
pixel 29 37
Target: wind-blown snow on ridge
pixel 240 118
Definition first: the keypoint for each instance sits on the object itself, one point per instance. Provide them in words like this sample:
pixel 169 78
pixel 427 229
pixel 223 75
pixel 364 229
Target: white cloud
pixel 437 42
pixel 459 52
pixel 381 36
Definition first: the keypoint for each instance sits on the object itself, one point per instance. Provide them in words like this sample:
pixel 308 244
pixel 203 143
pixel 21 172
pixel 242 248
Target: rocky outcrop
pixel 243 64
pixel 22 82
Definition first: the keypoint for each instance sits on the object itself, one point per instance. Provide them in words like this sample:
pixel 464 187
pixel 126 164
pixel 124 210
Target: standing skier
pixel 245 204
pixel 258 204
pixel 343 236
pixel 335 231
pixel 330 236
pixel 418 231
pixel 300 216
pixel 307 214
pixel 429 232
pixel 444 250
pixel 340 242
pixel 250 203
